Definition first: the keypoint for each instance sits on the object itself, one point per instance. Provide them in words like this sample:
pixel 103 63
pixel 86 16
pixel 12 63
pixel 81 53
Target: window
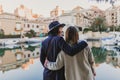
pixel 32 26
pixel 112 14
pixel 24 25
pixel 24 56
pixel 28 25
pixel 37 26
pixel 18 26
pixel 33 54
pixel 28 55
pixel 37 53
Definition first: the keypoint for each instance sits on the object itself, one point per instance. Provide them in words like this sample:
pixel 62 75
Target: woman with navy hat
pixel 52 46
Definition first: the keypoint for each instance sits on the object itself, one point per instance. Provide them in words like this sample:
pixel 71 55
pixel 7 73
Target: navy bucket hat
pixel 55 24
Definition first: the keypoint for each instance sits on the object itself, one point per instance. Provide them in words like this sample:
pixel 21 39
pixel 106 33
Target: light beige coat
pixel 78 67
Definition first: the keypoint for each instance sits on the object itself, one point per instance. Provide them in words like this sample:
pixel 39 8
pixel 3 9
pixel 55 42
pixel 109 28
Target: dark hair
pixel 72 35
pixel 55 31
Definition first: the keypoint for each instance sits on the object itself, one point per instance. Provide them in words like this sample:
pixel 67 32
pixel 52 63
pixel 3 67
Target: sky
pixel 44 7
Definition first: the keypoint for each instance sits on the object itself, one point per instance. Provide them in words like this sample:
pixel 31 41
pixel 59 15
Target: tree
pixel 30 34
pixel 117 28
pixel 86 30
pixel 1 33
pixel 98 25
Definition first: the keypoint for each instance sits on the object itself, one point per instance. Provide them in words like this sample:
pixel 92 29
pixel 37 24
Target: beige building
pixel 56 12
pixel 93 13
pixel 80 17
pixel 45 21
pixel 1 9
pixel 32 25
pixel 73 17
pixel 11 24
pixel 25 12
pixel 112 16
pixel 36 25
pixel 16 25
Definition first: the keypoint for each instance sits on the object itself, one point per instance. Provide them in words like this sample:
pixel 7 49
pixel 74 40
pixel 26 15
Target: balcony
pixel 18 29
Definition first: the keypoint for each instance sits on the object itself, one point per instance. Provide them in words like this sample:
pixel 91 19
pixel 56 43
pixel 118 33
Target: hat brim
pixel 59 25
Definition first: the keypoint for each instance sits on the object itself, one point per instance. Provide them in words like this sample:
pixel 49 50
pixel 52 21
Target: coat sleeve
pixel 91 59
pixel 71 50
pixel 42 55
pixel 58 64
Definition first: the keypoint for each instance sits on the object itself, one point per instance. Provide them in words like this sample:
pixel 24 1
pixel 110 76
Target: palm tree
pixel 1 33
pixel 98 24
pixel 30 34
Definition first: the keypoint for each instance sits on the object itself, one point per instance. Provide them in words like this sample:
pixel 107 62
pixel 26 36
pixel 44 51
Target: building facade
pixel 112 16
pixel 80 17
pixel 56 12
pixel 15 25
pixel 11 24
pixel 25 12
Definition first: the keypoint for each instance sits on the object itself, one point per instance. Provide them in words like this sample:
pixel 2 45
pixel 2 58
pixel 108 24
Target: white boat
pixel 35 40
pixel 10 42
pixel 34 44
pixel 113 39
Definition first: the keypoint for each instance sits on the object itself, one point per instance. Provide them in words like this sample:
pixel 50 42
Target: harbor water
pixel 22 62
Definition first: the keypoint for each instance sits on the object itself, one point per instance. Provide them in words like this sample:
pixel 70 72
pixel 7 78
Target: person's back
pixel 52 46
pixel 51 55
pixel 78 67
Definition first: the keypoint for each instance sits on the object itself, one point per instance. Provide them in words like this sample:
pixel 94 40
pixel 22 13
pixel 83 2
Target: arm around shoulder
pixel 72 50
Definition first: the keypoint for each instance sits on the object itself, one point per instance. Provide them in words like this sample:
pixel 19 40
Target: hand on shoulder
pixel 82 41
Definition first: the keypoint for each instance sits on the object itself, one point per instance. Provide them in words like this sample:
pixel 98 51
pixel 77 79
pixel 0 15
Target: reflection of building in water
pixel 9 61
pixel 11 24
pixel 94 44
pixel 25 66
pixel 15 58
pixel 113 58
pixel 34 54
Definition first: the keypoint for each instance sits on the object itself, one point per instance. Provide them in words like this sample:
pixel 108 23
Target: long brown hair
pixel 72 35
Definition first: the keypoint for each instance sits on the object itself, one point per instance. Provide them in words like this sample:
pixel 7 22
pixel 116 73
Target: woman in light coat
pixel 78 67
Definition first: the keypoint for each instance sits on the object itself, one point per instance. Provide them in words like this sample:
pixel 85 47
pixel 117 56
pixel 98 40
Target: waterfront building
pixel 33 25
pixel 16 25
pixel 56 12
pixel 11 24
pixel 1 9
pixel 80 17
pixel 45 21
pixel 112 16
pixel 25 12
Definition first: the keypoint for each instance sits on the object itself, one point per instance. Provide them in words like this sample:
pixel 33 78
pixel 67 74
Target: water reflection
pixel 21 56
pixel 113 56
pixel 21 62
